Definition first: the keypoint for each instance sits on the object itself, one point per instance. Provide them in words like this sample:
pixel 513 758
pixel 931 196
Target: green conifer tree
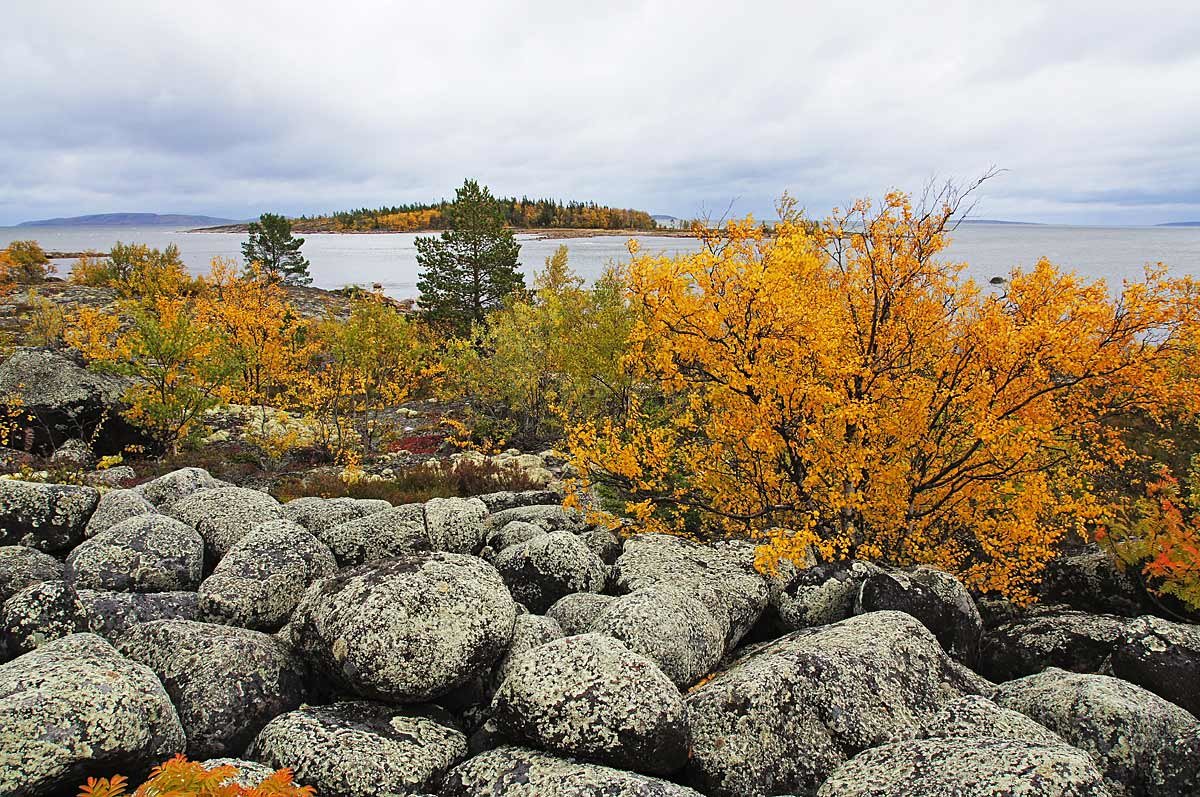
pixel 273 247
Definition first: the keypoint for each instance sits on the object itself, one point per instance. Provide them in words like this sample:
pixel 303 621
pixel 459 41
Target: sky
pixel 1091 109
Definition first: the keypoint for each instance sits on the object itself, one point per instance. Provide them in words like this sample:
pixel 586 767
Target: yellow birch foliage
pixel 842 388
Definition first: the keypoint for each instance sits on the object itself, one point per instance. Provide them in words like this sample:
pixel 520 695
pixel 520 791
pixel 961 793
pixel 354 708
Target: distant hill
pixel 1179 224
pixel 130 220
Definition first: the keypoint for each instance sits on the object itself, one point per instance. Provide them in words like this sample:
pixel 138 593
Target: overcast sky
pixel 233 108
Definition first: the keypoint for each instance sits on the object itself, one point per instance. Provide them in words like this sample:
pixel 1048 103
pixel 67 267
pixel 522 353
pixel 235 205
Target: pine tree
pixel 469 269
pixel 276 251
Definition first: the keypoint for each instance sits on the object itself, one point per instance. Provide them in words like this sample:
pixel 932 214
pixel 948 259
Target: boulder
pixel 249 773
pixel 263 576
pixel 590 697
pixel 116 506
pixel 455 525
pixel 405 629
pixel 224 515
pixel 114 478
pixel 74 454
pixel 1163 657
pixel 21 567
pixel 110 614
pixel 394 531
pixel 319 514
pixel 668 625
pixel 507 499
pixel 513 533
pixel 575 613
pixel 38 614
pixel 822 594
pixel 549 517
pixel 975 715
pixel 165 490
pixel 521 772
pixel 529 632
pixel 967 767
pixel 66 400
pixel 1049 637
pixel 1090 581
pixel 728 585
pixel 49 517
pixel 1143 744
pixel 225 682
pixel 76 708
pixel 148 553
pixel 604 543
pixel 785 714
pixel 937 599
pixel 362 749
pixel 540 571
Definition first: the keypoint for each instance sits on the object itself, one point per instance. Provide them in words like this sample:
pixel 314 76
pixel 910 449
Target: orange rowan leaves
pixel 179 777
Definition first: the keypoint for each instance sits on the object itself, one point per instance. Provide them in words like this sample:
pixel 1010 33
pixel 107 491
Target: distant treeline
pixel 523 213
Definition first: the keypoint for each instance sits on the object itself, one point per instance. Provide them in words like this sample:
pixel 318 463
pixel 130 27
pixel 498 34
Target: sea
pixel 390 259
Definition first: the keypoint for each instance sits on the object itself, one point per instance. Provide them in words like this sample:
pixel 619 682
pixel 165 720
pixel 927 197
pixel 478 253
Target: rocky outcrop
pixel 784 715
pixel 263 576
pixel 549 517
pixel 967 767
pixel 75 707
pixel 362 749
pixel 379 535
pixel 319 514
pixel 406 629
pixel 224 515
pixel 1144 745
pixel 975 715
pixel 521 772
pixel 225 682
pixel 21 566
pixel 49 517
pixel 147 553
pixel 590 697
pixel 545 568
pixel 1049 637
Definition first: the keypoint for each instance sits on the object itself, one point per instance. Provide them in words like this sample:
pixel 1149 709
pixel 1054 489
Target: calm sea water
pixel 1113 253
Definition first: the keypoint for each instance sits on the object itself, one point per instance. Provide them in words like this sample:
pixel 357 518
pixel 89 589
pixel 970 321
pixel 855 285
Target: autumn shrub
pixel 24 262
pixel 46 322
pixel 544 361
pixel 182 778
pixel 842 391
pixel 462 478
pixel 136 271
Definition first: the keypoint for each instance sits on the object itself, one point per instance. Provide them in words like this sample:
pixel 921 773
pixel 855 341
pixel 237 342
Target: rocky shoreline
pixel 501 644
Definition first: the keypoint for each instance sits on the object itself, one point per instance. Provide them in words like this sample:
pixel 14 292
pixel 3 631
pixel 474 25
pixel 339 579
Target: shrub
pixel 136 271
pixel 182 778
pixel 24 262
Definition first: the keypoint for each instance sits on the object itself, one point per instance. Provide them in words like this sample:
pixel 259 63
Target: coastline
pixel 538 233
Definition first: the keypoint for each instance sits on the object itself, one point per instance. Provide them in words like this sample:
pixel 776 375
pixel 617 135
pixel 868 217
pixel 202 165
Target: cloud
pixel 234 108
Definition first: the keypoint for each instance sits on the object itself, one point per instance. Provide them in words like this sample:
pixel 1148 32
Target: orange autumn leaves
pixel 841 388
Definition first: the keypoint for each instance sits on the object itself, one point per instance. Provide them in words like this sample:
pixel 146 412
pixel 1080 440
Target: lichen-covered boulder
pixel 975 715
pixel 318 514
pixel 38 614
pixel 379 535
pixel 723 579
pixel 165 490
pixel 116 506
pixel 1049 637
pixel 507 499
pixel 1144 745
pixel 550 517
pixel 936 598
pixel 576 612
pixel 49 517
pixel 512 533
pixel 786 713
pixel 590 697
pixel 1090 581
pixel 1163 657
pixel 224 515
pixel 967 767
pixel 604 543
pixel 73 454
pixel 822 594
pixel 225 682
pixel 263 576
pixel 249 773
pixel 110 614
pixel 455 525
pixel 406 629
pixel 668 625
pixel 148 553
pixel 21 566
pixel 75 707
pixel 540 571
pixel 522 772
pixel 529 632
pixel 362 749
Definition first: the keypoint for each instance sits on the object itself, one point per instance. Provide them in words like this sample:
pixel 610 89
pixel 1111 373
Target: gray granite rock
pixel 455 525
pixel 406 629
pixel 38 614
pixel 529 632
pixel 822 594
pixel 975 715
pixel 21 567
pixel 116 506
pixel 224 515
pixel 225 682
pixel 263 576
pixel 937 599
pixel 319 514
pixel 48 517
pixel 1049 637
pixel 1163 657
pixel 147 553
pixel 362 749
pixel 249 773
pixel 545 568
pixel 550 517
pixel 165 490
pixel 110 614
pixel 75 707
pixel 379 535
pixel 575 613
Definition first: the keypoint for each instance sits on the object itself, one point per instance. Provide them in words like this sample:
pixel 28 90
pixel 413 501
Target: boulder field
pixel 499 645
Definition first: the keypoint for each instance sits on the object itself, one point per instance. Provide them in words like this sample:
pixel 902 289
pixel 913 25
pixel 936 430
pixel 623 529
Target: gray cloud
pixel 233 108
